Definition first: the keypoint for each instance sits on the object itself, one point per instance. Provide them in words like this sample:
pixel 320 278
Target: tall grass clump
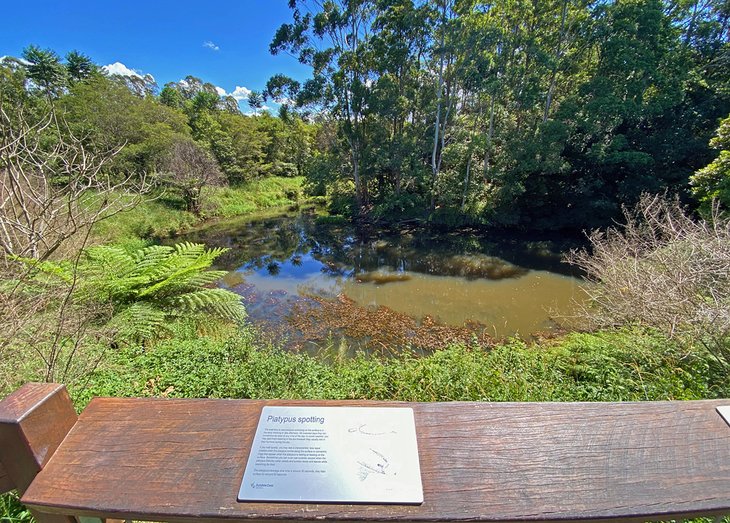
pixel 252 196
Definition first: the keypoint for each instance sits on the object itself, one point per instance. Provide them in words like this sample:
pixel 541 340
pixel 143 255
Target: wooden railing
pixel 6 483
pixel 182 461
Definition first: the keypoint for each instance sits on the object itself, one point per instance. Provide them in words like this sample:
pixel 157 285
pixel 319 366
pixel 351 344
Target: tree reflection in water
pixel 289 268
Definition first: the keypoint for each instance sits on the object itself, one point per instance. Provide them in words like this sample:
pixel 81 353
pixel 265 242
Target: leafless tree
pixel 662 269
pixel 189 168
pixel 53 186
pixel 53 189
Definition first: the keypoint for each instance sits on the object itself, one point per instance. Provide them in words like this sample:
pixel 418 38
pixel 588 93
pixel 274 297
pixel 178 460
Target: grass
pixel 13 511
pixel 618 365
pixel 256 195
pixel 624 365
pixel 155 218
pixel 165 216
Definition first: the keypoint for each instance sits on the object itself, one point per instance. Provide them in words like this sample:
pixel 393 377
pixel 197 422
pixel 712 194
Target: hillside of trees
pixel 179 139
pixel 538 114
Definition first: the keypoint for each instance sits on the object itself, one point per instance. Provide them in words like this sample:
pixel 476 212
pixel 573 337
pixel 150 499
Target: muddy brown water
pixel 503 285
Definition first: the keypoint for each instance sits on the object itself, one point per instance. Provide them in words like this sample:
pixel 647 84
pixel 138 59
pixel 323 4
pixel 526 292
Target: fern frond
pixel 219 302
pixel 189 250
pixel 205 278
pixel 62 270
pixel 181 267
pixel 140 321
pixel 108 260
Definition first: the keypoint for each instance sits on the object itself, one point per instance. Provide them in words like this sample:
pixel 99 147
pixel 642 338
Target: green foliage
pixel 111 115
pixel 623 365
pixel 712 183
pixel 149 286
pixel 79 67
pixel 152 219
pixel 253 196
pixel 549 114
pixel 134 295
pixel 246 146
pixel 12 511
pixel 44 68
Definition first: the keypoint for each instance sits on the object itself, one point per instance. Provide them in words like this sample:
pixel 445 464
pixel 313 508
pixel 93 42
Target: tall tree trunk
pixel 467 176
pixel 436 163
pixel 558 56
pixel 466 181
pixel 359 193
pixel 490 136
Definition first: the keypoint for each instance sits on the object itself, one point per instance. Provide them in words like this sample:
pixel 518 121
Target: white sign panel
pixel 334 455
pixel 725 413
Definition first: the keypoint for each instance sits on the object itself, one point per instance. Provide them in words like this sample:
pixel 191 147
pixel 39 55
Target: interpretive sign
pixel 725 413
pixel 334 455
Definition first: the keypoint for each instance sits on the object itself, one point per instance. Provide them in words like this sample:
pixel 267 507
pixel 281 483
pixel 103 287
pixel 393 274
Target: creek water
pixel 501 285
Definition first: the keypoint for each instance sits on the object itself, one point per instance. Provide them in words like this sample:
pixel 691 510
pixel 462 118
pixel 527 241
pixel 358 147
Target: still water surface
pixel 507 285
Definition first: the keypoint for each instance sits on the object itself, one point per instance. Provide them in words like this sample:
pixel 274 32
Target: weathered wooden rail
pixel 182 461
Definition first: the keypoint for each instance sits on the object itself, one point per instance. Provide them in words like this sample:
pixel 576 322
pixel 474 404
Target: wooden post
pixel 34 420
pixel 6 484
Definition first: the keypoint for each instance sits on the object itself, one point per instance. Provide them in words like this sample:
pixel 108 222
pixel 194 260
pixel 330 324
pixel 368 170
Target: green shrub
pixel 609 366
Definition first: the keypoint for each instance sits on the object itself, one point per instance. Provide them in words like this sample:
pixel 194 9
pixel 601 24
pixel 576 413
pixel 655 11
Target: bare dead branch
pixel 662 269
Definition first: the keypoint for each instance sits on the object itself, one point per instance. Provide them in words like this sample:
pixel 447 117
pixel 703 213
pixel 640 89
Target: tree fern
pixel 220 302
pixel 62 270
pixel 139 321
pixel 148 287
pixel 161 282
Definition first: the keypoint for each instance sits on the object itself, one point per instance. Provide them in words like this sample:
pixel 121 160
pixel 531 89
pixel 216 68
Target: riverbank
pixel 163 215
pixel 226 361
pixel 619 365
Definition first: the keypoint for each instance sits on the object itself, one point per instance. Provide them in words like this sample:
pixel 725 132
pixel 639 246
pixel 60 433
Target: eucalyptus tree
pixel 443 54
pixel 399 44
pixel 330 37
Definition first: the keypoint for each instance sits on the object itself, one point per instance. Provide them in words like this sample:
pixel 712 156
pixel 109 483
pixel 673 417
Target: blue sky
pixel 225 42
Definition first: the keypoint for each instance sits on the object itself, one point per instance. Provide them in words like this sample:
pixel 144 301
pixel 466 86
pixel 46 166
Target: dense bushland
pixel 545 114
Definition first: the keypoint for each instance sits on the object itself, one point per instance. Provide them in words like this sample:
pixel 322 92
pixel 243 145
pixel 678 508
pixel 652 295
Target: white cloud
pixel 248 111
pixel 211 45
pixel 220 91
pixel 118 68
pixel 11 59
pixel 241 93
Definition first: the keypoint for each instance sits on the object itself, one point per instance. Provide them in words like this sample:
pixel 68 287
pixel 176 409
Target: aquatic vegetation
pixel 381 277
pixel 380 329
